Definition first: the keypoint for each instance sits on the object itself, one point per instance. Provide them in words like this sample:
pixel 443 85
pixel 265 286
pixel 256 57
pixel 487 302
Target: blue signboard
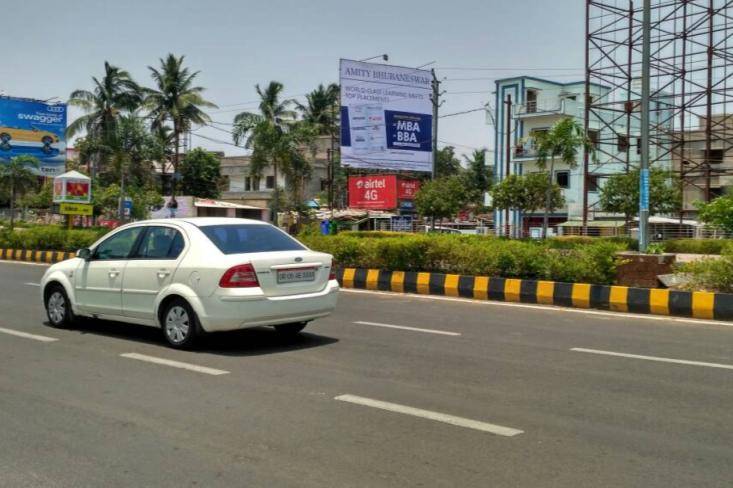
pixel 644 190
pixel 34 128
pixel 409 131
pixel 402 223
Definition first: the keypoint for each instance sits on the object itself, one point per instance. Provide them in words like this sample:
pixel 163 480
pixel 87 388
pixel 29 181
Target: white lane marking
pixel 553 308
pixel 653 358
pixel 428 414
pixel 26 335
pixel 32 284
pixel 27 263
pixel 404 327
pixel 174 364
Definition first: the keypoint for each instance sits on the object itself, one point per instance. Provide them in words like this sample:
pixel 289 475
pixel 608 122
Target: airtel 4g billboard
pixel 377 192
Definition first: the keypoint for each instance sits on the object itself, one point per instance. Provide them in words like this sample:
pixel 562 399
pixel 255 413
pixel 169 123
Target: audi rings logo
pixel 55 108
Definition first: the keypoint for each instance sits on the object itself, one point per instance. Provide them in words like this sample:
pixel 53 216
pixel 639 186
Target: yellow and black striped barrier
pixel 699 304
pixel 32 256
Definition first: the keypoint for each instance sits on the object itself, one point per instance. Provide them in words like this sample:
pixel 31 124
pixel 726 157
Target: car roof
pixel 200 221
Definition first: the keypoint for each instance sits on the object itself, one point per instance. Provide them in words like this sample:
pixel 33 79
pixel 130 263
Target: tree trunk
pixel 12 203
pixel 177 137
pixel 275 194
pixel 548 196
pixel 121 208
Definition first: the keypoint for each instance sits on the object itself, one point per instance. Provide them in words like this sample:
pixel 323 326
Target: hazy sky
pixel 53 48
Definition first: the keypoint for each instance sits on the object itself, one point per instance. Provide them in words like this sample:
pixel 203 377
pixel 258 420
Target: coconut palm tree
pixel 265 133
pixel 17 177
pixel 564 140
pixel 320 108
pixel 177 100
pixel 113 95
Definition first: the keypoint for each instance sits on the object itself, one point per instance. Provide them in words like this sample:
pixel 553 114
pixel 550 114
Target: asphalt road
pixel 490 395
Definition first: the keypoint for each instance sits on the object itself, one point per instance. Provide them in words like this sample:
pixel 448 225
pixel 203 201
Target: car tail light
pixel 240 276
pixel 332 272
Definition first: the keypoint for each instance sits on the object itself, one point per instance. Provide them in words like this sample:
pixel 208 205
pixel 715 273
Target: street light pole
pixel 645 95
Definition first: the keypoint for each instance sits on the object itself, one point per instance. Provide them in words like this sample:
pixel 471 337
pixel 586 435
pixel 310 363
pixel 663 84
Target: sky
pixel 236 44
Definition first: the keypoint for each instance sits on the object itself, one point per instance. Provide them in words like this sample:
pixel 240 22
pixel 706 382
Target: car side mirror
pixel 84 253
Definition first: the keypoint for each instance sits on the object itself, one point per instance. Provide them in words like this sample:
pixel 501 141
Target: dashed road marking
pixel 404 327
pixel 653 358
pixel 430 415
pixel 32 284
pixel 174 364
pixel 26 335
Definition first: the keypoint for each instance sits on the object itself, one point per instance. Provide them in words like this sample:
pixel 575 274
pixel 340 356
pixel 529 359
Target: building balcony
pixel 560 106
pixel 525 150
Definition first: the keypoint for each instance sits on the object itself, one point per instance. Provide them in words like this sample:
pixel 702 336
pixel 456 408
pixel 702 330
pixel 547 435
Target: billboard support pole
pixel 435 98
pixel 645 94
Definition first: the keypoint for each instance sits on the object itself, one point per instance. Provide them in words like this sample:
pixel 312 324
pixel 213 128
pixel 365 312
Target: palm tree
pixel 563 141
pixel 17 177
pixel 265 133
pixel 111 96
pixel 320 108
pixel 176 99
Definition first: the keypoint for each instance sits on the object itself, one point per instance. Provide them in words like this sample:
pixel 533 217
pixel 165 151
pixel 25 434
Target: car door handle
pixel 162 273
pixel 113 273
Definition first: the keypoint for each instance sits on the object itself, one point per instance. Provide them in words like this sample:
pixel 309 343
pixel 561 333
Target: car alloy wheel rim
pixel 56 307
pixel 177 324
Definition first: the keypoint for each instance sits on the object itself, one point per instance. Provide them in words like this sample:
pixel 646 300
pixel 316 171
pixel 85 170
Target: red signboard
pixel 377 192
pixel 406 189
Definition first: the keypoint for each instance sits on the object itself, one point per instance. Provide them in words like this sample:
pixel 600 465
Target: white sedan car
pixel 196 275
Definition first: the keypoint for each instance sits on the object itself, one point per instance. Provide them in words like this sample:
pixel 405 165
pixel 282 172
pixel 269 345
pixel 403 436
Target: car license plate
pixel 296 275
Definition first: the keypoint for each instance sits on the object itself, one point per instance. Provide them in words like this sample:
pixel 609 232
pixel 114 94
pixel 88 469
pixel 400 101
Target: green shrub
pixel 49 238
pixel 697 246
pixel 710 274
pixel 593 262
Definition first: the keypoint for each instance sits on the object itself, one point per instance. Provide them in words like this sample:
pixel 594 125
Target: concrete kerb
pixel 33 256
pixel 702 305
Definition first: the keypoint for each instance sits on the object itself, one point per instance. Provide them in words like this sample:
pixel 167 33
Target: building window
pixel 593 137
pixel 270 182
pixel 531 101
pixel 247 183
pixel 562 178
pixel 622 143
pixel 593 183
pixel 255 184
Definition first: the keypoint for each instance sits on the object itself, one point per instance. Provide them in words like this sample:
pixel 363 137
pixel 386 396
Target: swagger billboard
pixel 386 117
pixel 34 128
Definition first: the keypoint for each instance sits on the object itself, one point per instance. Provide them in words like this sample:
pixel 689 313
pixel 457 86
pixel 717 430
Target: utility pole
pixel 508 155
pixel 435 98
pixel 331 159
pixel 645 95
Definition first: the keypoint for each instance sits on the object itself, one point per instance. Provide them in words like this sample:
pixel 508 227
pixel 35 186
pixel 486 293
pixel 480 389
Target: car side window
pixel 119 246
pixel 160 243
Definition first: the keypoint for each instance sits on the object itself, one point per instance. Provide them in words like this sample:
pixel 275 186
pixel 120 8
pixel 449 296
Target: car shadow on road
pixel 247 342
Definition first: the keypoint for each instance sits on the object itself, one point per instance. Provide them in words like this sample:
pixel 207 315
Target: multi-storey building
pixel 242 187
pixel 537 104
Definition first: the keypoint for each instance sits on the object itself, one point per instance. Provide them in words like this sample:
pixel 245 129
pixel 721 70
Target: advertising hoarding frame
pixel 34 128
pixel 397 135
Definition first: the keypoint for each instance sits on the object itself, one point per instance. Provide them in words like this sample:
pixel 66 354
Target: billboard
pixel 72 187
pixel 34 128
pixel 406 189
pixel 386 117
pixel 373 192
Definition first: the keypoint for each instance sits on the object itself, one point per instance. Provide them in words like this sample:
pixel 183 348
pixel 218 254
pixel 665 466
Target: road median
pixel 33 256
pixel 657 301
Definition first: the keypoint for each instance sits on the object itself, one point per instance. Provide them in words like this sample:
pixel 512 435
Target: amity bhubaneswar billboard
pixel 386 117
pixel 34 128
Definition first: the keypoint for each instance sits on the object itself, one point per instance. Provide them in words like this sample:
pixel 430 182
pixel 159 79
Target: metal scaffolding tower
pixel 691 82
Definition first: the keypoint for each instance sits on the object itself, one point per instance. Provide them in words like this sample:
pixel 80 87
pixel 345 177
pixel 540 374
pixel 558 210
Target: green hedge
pixel 593 262
pixel 49 238
pixel 697 246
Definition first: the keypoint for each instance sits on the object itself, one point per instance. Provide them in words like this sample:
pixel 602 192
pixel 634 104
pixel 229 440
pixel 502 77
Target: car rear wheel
pixel 180 324
pixel 58 307
pixel 290 329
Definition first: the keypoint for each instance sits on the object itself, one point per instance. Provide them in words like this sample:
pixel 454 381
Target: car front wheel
pixel 58 307
pixel 180 324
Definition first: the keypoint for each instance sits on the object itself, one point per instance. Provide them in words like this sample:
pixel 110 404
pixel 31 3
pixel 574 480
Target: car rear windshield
pixel 243 238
